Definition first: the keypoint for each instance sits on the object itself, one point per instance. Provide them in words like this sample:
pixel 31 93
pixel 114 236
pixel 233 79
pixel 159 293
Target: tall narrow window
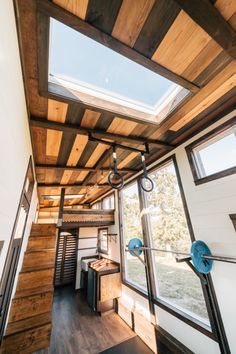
pixel 134 269
pixel 176 283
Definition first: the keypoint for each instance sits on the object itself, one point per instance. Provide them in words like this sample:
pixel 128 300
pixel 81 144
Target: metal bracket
pixel 121 146
pixel 187 261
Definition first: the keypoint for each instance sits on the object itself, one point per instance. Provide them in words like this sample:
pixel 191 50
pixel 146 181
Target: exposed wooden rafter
pixel 73 128
pixel 58 185
pixel 78 168
pixel 48 9
pixel 204 13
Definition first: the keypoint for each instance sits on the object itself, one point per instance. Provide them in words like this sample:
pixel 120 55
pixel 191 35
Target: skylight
pixel 82 64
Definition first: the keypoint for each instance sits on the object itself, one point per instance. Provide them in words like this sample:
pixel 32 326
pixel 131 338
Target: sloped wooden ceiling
pixel 165 32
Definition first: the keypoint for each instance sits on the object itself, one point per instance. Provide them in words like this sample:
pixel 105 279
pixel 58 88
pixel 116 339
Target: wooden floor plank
pixel 75 326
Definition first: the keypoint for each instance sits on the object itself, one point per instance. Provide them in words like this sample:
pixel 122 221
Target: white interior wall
pixel 209 206
pixel 113 243
pixel 15 144
pixel 85 232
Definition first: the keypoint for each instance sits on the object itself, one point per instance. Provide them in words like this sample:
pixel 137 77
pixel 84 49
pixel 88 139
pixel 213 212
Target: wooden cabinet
pixel 104 286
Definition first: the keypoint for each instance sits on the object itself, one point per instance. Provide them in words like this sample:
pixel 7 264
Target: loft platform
pixel 87 218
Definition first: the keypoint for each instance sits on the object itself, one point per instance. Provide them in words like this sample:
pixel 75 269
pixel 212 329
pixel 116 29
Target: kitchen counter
pixel 104 285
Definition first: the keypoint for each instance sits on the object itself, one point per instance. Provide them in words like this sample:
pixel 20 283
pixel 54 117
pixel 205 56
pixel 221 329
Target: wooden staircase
pixel 29 324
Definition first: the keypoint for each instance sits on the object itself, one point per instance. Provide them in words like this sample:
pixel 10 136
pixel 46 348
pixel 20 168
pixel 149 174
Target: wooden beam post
pixel 73 128
pixel 60 214
pixel 58 185
pixel 80 168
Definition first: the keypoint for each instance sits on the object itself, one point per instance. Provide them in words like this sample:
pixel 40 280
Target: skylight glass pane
pixel 217 155
pixel 80 60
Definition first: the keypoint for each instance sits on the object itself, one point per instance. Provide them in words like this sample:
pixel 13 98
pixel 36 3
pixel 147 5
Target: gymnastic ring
pixel 117 175
pixel 142 183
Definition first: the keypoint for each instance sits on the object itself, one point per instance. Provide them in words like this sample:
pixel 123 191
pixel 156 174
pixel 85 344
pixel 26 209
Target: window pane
pixel 176 283
pixel 108 202
pixel 77 61
pixel 217 155
pixel 134 269
pixel 103 241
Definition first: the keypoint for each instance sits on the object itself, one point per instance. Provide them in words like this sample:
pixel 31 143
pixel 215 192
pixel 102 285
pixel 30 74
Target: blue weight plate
pixel 202 265
pixel 135 242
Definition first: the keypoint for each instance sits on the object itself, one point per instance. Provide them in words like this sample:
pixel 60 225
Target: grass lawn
pixel 177 284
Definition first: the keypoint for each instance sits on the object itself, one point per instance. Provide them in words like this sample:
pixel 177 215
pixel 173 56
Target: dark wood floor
pixel 78 330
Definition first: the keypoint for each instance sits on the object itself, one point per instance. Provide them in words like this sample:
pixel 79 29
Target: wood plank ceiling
pixel 161 31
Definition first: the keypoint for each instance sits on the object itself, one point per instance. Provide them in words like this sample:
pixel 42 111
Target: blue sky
pixel 75 56
pixel 220 155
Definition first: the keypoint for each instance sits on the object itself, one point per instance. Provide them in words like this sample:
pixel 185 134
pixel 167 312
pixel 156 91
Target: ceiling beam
pixel 99 164
pixel 58 185
pixel 76 129
pixel 204 13
pixel 49 9
pixel 76 168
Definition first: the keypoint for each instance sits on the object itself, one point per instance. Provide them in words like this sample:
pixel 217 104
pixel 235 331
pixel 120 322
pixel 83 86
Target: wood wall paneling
pixel 57 111
pixel 77 149
pixel 194 106
pixel 182 43
pixel 226 7
pixel 219 86
pixel 130 20
pixel 102 16
pixel 160 19
pixel 78 7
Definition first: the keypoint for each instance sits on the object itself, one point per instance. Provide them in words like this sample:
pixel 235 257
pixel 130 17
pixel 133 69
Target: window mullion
pixel 146 229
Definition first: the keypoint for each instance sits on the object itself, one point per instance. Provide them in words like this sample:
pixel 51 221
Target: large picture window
pixel 168 227
pixel 175 282
pixel 131 221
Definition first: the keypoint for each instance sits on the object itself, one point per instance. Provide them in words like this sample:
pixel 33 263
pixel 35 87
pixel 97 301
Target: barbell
pixel 200 254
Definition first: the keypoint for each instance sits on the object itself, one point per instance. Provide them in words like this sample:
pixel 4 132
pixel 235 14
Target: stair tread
pixel 46 250
pixel 28 341
pixel 33 249
pixel 43 230
pixel 48 265
pixel 34 291
pixel 28 323
pixel 43 236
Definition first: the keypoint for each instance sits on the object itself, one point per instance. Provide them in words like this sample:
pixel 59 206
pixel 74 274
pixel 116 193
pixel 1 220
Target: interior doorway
pixel 66 257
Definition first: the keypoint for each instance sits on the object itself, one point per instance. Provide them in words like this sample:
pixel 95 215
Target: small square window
pixel 214 155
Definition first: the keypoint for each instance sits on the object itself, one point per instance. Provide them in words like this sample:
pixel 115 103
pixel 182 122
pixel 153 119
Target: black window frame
pixel 203 139
pixel 181 315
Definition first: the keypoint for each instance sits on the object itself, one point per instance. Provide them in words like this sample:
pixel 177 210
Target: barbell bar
pixel 200 254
